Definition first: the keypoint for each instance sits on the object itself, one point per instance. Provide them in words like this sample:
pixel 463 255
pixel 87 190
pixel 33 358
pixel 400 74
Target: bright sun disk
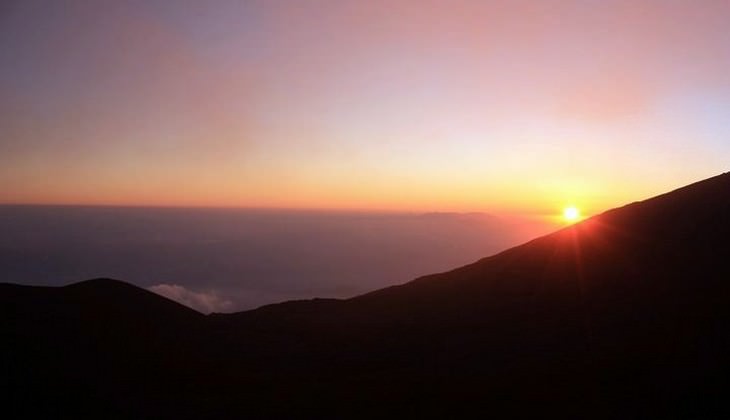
pixel 571 214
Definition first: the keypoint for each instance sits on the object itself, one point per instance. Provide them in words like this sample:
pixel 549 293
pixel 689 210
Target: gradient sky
pixel 501 106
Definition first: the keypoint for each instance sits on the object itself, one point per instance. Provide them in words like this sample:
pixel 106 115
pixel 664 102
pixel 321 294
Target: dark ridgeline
pixel 624 315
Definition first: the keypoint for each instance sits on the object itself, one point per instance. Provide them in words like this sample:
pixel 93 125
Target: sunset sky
pixel 500 106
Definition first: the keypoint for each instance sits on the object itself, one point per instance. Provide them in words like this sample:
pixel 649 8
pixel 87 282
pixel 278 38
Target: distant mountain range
pixel 624 315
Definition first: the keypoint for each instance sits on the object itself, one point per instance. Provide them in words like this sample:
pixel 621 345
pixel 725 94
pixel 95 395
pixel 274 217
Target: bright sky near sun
pixel 502 106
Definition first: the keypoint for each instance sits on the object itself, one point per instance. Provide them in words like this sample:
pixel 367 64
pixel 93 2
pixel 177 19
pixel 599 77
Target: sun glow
pixel 571 214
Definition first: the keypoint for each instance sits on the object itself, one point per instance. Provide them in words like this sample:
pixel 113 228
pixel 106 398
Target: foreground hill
pixel 624 314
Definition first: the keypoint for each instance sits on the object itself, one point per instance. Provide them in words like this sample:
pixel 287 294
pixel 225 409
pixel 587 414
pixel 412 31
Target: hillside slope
pixel 622 315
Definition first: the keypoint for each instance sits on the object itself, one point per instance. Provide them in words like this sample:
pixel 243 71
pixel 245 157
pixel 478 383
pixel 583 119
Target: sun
pixel 571 214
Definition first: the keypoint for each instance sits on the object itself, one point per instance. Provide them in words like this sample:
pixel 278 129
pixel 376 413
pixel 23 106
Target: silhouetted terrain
pixel 624 315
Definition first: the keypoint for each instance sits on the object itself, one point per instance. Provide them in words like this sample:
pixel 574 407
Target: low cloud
pixel 205 302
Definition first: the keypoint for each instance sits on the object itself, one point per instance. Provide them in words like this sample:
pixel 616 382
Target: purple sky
pixel 503 106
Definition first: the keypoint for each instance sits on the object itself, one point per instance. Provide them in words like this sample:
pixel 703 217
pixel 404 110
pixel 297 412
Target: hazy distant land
pixel 235 259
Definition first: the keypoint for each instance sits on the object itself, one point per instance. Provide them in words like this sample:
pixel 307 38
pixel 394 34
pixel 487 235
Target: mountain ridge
pixel 620 315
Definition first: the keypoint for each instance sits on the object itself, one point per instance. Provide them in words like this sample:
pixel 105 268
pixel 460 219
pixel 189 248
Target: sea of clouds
pixel 224 260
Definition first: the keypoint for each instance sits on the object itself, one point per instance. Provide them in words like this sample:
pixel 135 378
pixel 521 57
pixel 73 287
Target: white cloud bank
pixel 205 302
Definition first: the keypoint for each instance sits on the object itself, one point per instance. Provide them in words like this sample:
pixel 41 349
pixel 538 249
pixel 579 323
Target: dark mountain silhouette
pixel 623 315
